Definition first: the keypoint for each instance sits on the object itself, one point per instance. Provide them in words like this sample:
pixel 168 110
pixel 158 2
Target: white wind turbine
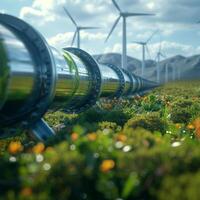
pixel 158 59
pixel 124 16
pixel 144 49
pixel 78 29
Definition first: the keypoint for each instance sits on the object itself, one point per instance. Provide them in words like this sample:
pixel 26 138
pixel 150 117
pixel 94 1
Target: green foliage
pixel 151 121
pixel 183 110
pixel 185 186
pixel 152 103
pixel 140 148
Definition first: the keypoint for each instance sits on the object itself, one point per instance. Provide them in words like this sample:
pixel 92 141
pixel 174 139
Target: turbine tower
pixel 124 16
pixel 166 72
pixel 78 29
pixel 158 58
pixel 144 49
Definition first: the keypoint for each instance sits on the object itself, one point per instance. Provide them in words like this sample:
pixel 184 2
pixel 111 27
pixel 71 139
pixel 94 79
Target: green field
pixel 142 148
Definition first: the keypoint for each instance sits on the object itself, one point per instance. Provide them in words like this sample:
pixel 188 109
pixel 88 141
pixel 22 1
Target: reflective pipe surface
pixel 27 79
pixel 136 86
pixel 27 76
pixel 20 70
pixel 73 82
pixel 110 82
pixel 128 83
pixel 34 76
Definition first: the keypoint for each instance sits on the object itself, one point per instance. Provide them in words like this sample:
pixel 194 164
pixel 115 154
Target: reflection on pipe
pixel 34 76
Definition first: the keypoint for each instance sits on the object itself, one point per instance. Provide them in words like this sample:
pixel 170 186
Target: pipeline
pixel 34 76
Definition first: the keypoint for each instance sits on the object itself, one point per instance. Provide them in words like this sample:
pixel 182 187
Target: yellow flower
pixel 107 165
pixel 190 126
pixel 27 191
pixel 121 137
pixel 15 147
pixel 74 136
pixel 92 136
pixel 38 148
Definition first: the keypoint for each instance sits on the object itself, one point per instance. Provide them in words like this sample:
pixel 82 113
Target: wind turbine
pixel 78 29
pixel 158 58
pixel 124 16
pixel 144 49
pixel 166 72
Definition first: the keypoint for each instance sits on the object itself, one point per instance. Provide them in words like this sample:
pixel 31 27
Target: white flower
pixel 176 144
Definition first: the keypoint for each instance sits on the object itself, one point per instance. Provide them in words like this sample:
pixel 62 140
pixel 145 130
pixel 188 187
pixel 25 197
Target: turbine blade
pixel 69 15
pixel 116 6
pixel 114 25
pixel 74 37
pixel 154 33
pixel 140 43
pixel 137 14
pixel 88 27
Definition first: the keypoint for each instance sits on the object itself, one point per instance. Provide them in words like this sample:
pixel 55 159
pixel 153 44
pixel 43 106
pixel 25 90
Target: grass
pixel 139 148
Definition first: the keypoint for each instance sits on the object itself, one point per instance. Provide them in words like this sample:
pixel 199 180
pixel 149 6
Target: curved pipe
pixel 34 76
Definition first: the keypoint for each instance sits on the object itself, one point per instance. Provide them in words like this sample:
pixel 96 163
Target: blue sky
pixel 174 18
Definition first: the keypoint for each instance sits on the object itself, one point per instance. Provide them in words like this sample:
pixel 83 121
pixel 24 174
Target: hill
pixel 189 67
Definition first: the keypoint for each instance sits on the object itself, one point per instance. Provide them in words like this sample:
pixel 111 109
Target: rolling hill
pixel 189 66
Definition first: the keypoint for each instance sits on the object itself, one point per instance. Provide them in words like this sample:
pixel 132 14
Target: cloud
pixel 33 14
pixel 66 38
pixel 61 40
pixel 40 12
pixel 172 16
pixel 2 11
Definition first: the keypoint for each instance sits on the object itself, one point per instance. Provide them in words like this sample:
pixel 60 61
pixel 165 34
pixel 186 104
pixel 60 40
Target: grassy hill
pixel 140 148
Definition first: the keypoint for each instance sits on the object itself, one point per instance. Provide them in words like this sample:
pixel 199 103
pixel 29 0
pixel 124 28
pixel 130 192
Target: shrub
pixel 183 110
pixel 184 187
pixel 150 121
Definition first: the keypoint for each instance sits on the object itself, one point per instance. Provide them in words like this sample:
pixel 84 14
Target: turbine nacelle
pixel 78 28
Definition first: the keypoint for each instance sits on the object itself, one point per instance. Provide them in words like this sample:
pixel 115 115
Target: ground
pixel 140 148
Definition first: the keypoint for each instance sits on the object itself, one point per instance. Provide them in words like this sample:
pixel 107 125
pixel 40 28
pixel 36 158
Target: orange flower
pixel 178 126
pixel 38 148
pixel 74 136
pixel 121 138
pixel 107 165
pixel 196 124
pixel 27 191
pixel 92 136
pixel 190 126
pixel 15 147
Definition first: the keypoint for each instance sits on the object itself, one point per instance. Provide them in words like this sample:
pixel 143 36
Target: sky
pixel 176 20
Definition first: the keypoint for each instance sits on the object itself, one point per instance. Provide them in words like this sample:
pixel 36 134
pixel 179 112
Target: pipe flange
pixel 131 78
pixel 4 74
pixel 37 44
pixel 95 73
pixel 121 88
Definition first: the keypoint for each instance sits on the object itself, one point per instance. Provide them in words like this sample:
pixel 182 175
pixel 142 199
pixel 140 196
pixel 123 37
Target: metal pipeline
pixel 34 76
